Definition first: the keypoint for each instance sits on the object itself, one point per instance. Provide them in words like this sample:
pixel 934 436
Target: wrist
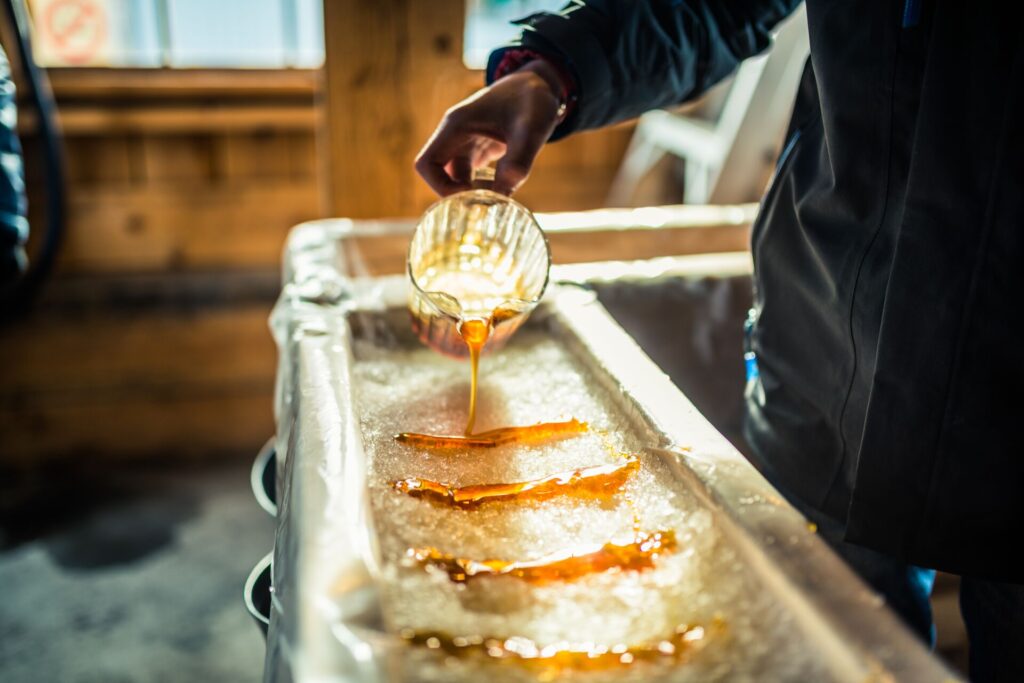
pixel 557 78
pixel 547 73
pixel 543 82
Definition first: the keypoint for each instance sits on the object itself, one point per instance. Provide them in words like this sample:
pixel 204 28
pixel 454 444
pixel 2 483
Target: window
pixel 488 25
pixel 179 33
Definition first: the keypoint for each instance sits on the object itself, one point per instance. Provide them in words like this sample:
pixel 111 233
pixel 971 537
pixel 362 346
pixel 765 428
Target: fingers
pixel 509 121
pixel 441 153
pixel 523 146
pixel 460 170
pixel 432 169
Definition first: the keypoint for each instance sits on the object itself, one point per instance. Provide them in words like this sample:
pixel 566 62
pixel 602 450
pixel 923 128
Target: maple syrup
pixel 544 431
pixel 475 333
pixel 453 298
pixel 597 482
pixel 675 648
pixel 639 554
pixel 478 264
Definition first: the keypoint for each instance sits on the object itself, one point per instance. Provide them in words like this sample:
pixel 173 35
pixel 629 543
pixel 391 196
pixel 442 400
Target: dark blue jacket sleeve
pixel 13 225
pixel 630 56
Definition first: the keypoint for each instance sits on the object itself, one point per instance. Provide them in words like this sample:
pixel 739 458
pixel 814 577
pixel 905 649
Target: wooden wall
pixel 151 339
pixel 392 68
pixel 176 171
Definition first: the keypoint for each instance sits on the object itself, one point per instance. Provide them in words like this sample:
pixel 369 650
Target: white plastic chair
pixel 727 159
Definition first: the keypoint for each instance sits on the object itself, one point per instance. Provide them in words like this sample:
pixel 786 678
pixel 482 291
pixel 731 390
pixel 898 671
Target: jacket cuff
pixel 553 37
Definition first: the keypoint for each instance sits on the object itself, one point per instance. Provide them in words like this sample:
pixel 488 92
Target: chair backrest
pixel 736 108
pixel 756 111
pixel 729 158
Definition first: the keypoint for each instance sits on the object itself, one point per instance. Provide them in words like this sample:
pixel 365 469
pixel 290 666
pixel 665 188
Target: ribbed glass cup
pixel 475 255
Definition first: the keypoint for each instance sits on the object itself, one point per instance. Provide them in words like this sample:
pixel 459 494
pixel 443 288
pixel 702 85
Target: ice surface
pixel 403 387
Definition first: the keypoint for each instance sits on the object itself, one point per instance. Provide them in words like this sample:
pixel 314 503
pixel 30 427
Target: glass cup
pixel 475 256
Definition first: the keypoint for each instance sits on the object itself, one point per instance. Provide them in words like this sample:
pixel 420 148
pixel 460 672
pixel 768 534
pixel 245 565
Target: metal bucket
pixel 263 477
pixel 256 594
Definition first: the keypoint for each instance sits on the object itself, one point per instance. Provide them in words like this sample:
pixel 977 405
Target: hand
pixel 509 121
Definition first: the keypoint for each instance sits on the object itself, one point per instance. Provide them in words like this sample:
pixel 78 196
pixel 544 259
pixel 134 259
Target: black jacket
pixel 13 225
pixel 889 251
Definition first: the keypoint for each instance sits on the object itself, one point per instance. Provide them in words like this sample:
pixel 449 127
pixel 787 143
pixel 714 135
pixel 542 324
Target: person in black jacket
pixel 13 224
pixel 885 400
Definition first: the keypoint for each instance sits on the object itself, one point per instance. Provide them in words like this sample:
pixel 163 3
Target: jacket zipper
pixel 749 357
pixel 786 151
pixel 780 167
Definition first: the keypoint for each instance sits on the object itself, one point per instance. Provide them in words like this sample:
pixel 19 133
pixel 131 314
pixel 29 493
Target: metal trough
pixel 771 600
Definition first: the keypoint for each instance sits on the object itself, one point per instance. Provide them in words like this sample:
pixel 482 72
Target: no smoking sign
pixel 70 32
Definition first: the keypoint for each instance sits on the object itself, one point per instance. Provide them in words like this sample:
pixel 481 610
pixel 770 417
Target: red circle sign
pixel 77 29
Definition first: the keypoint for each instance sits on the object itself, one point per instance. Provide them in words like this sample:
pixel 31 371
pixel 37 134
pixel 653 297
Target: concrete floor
pixel 131 575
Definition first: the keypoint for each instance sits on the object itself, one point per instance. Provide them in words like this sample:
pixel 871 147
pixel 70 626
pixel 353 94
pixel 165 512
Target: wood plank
pixel 589 149
pixel 576 173
pixel 140 426
pixel 95 161
pixel 92 119
pixel 183 226
pixel 77 358
pixel 73 296
pixel 549 190
pixel 185 383
pixel 259 156
pixel 303 161
pixel 111 83
pixel 186 158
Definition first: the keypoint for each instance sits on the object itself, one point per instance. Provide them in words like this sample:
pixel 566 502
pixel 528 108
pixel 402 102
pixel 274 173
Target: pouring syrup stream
pixel 475 333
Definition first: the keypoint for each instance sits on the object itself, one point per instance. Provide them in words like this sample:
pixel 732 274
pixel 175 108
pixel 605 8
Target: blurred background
pixel 195 135
pixel 138 376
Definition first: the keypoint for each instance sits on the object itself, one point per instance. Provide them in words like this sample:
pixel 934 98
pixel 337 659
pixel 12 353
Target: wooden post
pixel 392 67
